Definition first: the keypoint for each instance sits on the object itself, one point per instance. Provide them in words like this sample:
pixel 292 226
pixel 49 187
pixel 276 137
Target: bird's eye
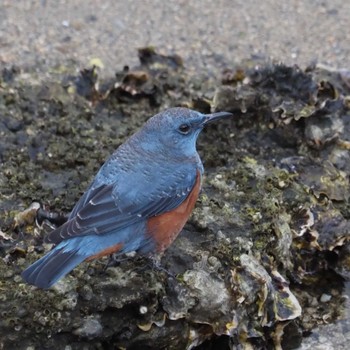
pixel 184 129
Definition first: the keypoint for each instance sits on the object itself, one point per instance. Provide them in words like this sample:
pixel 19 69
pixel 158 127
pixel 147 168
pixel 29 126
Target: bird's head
pixel 176 130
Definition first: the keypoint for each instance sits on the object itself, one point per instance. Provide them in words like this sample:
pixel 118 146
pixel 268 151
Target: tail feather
pixel 50 268
pixel 71 252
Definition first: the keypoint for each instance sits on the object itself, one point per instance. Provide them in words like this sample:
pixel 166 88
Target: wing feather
pixel 99 212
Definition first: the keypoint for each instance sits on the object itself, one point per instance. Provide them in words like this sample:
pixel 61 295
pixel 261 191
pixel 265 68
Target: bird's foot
pixel 115 260
pixel 156 265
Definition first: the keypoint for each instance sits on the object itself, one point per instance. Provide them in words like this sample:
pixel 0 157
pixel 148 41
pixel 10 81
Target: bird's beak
pixel 215 116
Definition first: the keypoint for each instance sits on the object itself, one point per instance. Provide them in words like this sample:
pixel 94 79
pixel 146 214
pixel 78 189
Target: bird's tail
pixel 50 268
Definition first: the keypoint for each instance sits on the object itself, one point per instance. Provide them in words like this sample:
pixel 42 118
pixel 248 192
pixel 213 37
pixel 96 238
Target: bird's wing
pixel 104 209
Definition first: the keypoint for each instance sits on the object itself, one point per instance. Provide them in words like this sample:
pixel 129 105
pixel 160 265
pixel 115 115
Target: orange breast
pixel 164 228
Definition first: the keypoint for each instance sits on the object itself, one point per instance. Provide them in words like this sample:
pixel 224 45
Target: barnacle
pixel 269 235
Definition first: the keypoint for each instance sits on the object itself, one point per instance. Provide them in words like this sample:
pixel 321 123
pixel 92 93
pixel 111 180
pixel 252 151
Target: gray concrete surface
pixel 205 33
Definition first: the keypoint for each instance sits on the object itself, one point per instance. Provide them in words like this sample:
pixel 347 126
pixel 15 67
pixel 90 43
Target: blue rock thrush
pixel 139 200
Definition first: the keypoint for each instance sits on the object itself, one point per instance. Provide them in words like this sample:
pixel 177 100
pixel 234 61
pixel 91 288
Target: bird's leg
pixel 152 261
pixel 156 265
pixel 114 260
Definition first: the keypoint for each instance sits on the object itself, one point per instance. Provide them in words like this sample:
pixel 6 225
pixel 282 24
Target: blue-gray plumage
pixel 139 200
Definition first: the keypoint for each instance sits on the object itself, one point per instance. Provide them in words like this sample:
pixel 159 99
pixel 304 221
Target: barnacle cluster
pixel 267 245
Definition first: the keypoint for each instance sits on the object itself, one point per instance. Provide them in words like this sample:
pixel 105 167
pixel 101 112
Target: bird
pixel 140 199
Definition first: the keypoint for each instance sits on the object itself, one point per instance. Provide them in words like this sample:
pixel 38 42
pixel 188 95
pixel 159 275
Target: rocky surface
pixel 263 260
